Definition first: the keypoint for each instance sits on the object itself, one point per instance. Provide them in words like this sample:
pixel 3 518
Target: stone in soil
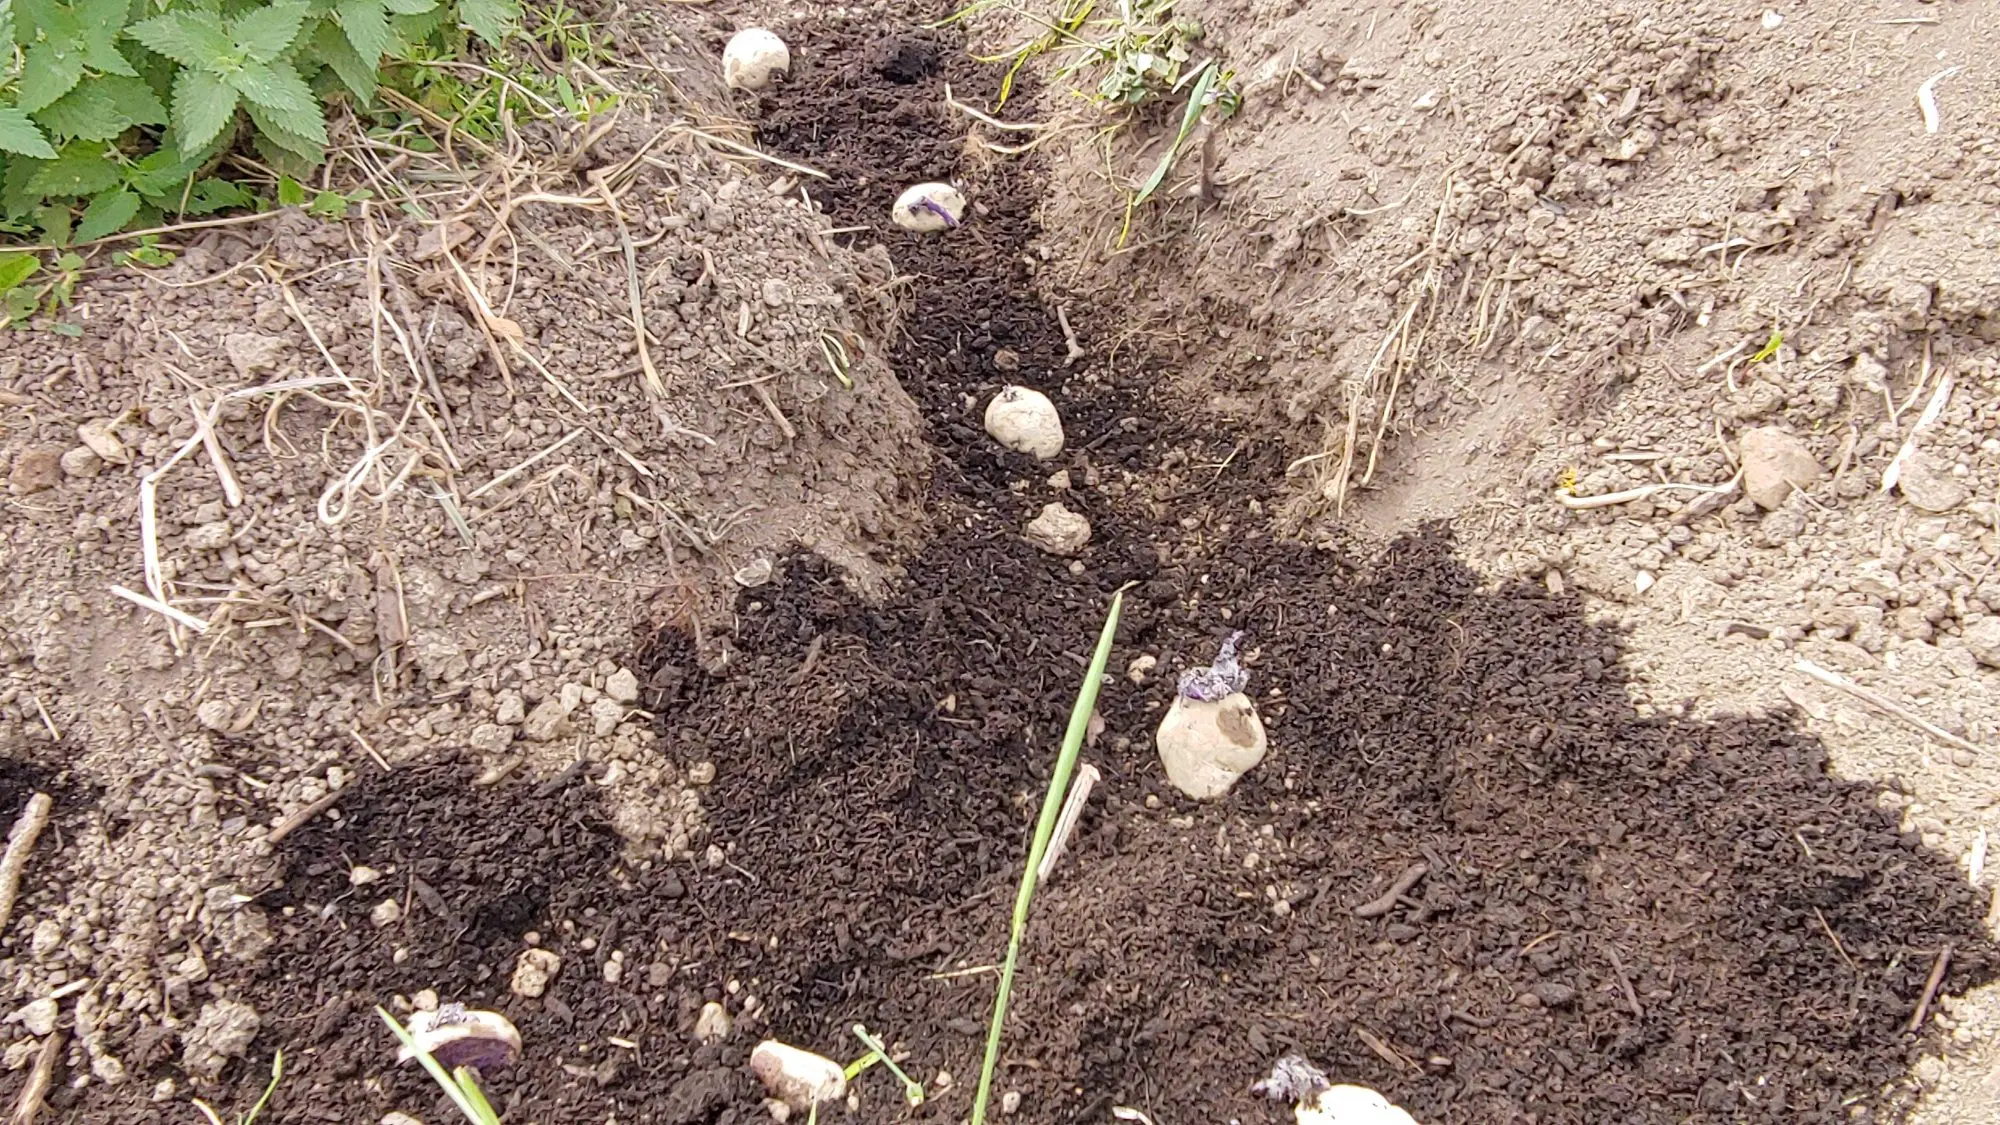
pixel 1928 485
pixel 1058 531
pixel 1775 462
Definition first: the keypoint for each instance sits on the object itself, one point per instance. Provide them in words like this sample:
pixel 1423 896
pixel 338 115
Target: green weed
pixel 1124 62
pixel 117 113
pixel 1072 745
pixel 277 1073
pixel 459 1085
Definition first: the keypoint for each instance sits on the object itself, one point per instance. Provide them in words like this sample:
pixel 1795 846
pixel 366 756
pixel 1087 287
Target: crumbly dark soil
pixel 1627 919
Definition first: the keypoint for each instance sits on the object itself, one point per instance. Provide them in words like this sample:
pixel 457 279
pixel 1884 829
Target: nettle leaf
pixel 411 7
pixel 15 198
pixel 212 195
pixel 107 214
pixel 354 72
pixel 304 153
pixel 101 22
pixel 367 25
pixel 104 55
pixel 20 136
pixel 421 26
pixel 284 97
pixel 49 71
pixel 79 169
pixel 285 152
pixel 43 16
pixel 491 20
pixel 203 105
pixel 103 108
pixel 190 38
pixel 17 268
pixel 267 33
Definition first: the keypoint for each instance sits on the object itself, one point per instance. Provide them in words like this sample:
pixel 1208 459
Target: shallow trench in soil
pixel 1634 919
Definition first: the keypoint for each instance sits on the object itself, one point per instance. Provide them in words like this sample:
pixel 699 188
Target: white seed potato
pixel 752 57
pixel 1351 1105
pixel 929 207
pixel 798 1078
pixel 1207 746
pixel 1025 421
pixel 459 1036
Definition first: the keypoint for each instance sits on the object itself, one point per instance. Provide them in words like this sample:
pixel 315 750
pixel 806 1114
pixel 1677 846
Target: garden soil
pixel 746 692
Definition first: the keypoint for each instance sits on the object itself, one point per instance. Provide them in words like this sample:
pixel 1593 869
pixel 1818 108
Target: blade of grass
pixel 1072 745
pixel 1197 101
pixel 277 1074
pixel 452 1089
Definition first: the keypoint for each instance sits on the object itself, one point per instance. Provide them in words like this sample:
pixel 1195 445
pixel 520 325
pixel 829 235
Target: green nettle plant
pixel 115 113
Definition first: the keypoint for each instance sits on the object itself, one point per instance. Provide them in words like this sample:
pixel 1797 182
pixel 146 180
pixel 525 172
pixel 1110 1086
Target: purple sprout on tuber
pixel 940 210
pixel 1219 680
pixel 458 1036
pixel 1292 1079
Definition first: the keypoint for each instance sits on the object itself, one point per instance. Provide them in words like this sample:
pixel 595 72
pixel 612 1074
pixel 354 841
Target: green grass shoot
pixel 459 1086
pixel 1072 745
pixel 277 1073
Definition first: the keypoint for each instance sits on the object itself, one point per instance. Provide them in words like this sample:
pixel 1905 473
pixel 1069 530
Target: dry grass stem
pixel 653 381
pixel 204 427
pixel 746 150
pixel 302 817
pixel 21 841
pixel 1072 811
pixel 1608 499
pixel 29 1104
pixel 992 122
pixel 524 466
pixel 179 617
pixel 1884 704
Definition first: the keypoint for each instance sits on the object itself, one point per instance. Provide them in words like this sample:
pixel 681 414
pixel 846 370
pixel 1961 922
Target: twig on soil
pixel 1411 875
pixel 20 841
pixel 300 818
pixel 179 617
pixel 1072 811
pixel 1883 703
pixel 39 1079
pixel 149 541
pixel 1931 983
pixel 1721 359
pixel 653 381
pixel 1382 1050
pixel 1625 983
pixel 153 232
pixel 1835 939
pixel 524 466
pixel 204 428
pixel 1606 500
pixel 48 724
pixel 746 150
pixel 1076 351
pixel 1004 126
pixel 771 405
pixel 369 749
pixel 1932 409
pixel 1927 97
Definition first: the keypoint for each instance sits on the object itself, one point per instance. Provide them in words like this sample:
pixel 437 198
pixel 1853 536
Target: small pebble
pixel 533 971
